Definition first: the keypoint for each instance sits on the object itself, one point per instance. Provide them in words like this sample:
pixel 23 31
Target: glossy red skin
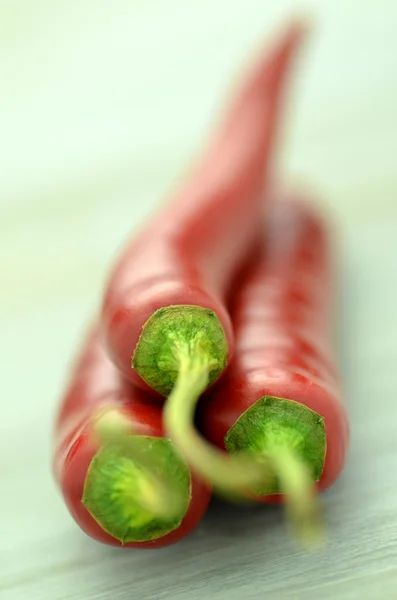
pixel 96 384
pixel 191 251
pixel 283 317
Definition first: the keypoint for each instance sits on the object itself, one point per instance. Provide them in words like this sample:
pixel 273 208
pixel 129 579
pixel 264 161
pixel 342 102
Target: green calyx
pixel 274 427
pixel 126 499
pixel 157 355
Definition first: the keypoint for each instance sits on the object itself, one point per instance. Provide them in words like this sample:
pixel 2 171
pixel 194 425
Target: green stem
pixel 292 439
pixel 231 475
pixel 302 503
pixel 154 357
pixel 240 474
pixel 158 496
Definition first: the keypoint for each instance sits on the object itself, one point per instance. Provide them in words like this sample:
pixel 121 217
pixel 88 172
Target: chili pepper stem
pixel 156 357
pixel 230 474
pixel 239 474
pixel 303 510
pixel 137 487
pixel 291 438
pixel 113 429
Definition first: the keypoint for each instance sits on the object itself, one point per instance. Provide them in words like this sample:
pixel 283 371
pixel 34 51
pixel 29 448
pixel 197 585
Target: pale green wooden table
pixel 102 106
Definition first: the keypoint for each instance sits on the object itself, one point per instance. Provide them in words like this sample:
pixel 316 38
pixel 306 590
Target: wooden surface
pixel 102 107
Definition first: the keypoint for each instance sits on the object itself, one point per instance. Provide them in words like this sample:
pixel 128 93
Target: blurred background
pixel 103 106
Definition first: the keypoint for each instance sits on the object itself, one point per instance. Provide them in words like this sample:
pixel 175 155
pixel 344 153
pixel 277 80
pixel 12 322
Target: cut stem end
pixel 137 487
pixel 292 441
pixel 156 356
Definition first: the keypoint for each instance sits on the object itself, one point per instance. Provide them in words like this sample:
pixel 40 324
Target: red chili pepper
pixel 280 399
pixel 166 297
pixel 122 481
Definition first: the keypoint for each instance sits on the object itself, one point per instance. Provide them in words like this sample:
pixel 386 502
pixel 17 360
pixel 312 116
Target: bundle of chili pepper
pixel 165 309
pixel 280 400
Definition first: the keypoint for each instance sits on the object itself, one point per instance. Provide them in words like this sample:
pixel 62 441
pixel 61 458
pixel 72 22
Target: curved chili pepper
pixel 280 401
pixel 121 479
pixel 165 300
